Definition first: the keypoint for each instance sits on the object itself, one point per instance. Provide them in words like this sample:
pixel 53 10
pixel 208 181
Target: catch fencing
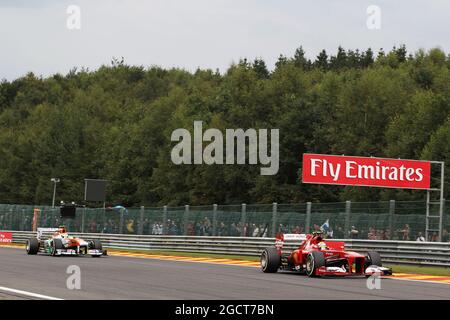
pixel 402 252
pixel 383 220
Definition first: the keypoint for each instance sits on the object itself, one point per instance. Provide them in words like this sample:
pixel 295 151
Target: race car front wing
pixel 73 252
pixel 341 271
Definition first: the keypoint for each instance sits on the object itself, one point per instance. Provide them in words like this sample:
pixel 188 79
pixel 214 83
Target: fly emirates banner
pixel 364 171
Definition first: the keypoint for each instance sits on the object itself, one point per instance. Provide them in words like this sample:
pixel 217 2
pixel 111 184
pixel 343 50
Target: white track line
pixel 29 294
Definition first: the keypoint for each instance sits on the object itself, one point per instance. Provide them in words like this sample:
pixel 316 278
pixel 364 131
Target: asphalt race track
pixel 117 277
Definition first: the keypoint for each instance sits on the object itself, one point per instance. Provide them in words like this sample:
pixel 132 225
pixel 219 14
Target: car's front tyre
pixel 373 258
pixel 32 246
pixel 96 245
pixel 314 261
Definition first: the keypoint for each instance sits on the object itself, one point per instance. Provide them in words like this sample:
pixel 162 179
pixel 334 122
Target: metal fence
pixel 384 220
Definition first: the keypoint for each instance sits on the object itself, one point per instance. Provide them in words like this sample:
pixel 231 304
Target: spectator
pixel 434 237
pixel 222 230
pixel 130 226
pixel 262 230
pixel 283 229
pixel 93 227
pixel 297 230
pixel 206 227
pixel 107 227
pixel 387 234
pixel 405 233
pixel 190 229
pixel 155 228
pixel 245 230
pixel 339 234
pixel 316 227
pixel 420 237
pixel 329 233
pixel 372 234
pixel 445 236
pixel 255 232
pixel 234 230
pixel 382 235
pixel 353 233
pixel 173 228
pixel 160 228
pixel 198 228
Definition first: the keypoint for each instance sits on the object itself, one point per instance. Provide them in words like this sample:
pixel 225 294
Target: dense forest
pixel 116 122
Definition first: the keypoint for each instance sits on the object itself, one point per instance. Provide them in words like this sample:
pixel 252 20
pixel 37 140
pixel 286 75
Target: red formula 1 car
pixel 317 257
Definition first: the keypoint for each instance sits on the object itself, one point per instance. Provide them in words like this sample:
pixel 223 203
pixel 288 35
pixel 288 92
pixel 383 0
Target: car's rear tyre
pixel 32 246
pixel 270 260
pixel 314 261
pixel 373 258
pixel 56 245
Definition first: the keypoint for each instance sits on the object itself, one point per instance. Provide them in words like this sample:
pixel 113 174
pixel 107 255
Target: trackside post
pixel 121 222
pixel 308 217
pixel 214 219
pixel 165 220
pixel 348 210
pixel 186 219
pixel 141 220
pixel 274 218
pixel 391 218
pixel 243 218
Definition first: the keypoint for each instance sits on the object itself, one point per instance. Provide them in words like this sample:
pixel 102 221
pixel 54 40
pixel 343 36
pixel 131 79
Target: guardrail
pixel 404 252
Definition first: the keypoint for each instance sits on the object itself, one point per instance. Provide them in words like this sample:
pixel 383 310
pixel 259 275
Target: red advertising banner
pixel 5 237
pixel 365 171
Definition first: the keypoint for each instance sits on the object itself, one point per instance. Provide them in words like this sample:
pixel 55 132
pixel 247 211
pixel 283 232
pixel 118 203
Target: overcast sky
pixel 205 33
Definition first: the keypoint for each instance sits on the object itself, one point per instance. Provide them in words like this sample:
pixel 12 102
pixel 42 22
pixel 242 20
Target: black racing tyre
pixel 373 258
pixel 96 245
pixel 56 244
pixel 32 246
pixel 314 261
pixel 270 260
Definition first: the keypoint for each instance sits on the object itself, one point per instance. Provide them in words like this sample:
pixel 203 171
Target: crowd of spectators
pixel 372 233
pixel 205 227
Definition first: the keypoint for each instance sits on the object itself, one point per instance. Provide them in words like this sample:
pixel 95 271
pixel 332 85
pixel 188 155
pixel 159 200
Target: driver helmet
pixel 322 245
pixel 62 231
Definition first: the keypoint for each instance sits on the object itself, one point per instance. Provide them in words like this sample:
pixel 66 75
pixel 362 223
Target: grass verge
pixel 433 271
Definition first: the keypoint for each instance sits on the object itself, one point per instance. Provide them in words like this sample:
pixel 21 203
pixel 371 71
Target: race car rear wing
pixel 291 237
pixel 40 231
